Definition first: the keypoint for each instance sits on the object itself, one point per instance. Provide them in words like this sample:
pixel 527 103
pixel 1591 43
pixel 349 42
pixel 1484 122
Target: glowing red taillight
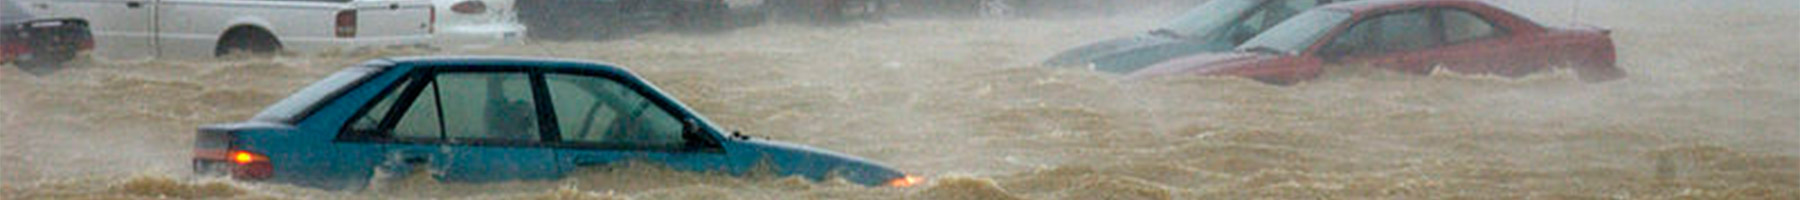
pixel 905 181
pixel 346 24
pixel 245 157
pixel 470 7
pixel 250 165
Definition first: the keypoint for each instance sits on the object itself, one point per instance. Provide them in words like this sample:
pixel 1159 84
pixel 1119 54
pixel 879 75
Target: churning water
pixel 1711 111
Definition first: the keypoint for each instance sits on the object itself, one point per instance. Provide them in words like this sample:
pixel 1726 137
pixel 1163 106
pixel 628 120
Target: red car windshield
pixel 1294 35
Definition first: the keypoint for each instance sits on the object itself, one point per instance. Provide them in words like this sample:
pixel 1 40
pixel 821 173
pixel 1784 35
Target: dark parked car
pixel 483 119
pixel 33 42
pixel 1215 26
pixel 1413 36
pixel 607 19
pixel 826 12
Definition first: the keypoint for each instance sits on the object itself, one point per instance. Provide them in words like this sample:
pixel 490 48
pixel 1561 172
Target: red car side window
pixel 1463 26
pixel 1401 31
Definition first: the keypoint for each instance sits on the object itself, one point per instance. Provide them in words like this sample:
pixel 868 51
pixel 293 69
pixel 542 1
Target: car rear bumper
pixel 479 36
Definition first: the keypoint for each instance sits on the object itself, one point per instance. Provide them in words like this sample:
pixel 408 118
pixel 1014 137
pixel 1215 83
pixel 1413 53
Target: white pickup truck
pixel 128 29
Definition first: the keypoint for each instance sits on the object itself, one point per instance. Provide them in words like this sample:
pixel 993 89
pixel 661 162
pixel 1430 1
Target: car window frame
pixel 1431 27
pixel 1440 23
pixel 414 82
pixel 410 95
pixel 695 141
pixel 550 133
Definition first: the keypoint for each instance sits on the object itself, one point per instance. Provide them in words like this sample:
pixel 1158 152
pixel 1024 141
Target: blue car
pixel 484 119
pixel 1215 26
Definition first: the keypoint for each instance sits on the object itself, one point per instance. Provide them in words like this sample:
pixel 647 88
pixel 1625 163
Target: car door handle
pixel 134 4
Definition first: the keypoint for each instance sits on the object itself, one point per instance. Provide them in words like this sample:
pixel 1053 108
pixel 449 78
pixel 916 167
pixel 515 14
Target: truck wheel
pixel 252 42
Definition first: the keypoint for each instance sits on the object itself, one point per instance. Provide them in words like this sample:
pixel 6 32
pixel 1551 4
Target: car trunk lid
pixel 388 18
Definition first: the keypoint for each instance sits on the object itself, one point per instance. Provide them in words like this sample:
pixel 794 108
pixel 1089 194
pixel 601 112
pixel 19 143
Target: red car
pixel 1413 36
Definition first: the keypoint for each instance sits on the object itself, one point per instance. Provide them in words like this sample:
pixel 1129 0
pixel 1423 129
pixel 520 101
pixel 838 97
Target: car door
pixel 1474 44
pixel 1393 40
pixel 123 29
pixel 474 125
pixel 604 121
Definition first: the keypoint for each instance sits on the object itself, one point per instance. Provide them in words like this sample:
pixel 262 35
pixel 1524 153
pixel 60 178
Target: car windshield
pixel 1295 34
pixel 1208 18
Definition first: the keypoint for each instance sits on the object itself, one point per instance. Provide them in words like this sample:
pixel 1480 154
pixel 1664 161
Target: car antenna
pixel 1575 11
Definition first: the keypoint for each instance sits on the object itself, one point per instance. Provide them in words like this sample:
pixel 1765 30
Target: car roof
pixel 479 61
pixel 1372 5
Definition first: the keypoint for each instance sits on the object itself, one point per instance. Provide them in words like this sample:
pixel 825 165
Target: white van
pixel 128 29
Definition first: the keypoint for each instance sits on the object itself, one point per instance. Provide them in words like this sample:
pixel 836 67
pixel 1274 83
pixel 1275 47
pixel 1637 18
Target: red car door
pixel 1395 40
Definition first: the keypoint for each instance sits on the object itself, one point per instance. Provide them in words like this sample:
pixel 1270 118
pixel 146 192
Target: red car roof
pixel 1501 16
pixel 1376 5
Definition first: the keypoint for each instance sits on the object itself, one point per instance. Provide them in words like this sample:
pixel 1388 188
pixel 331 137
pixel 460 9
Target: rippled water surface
pixel 1711 111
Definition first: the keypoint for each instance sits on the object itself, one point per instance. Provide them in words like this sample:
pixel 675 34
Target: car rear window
pixel 301 103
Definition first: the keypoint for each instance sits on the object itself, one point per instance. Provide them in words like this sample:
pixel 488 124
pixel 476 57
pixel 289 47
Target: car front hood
pixel 1123 55
pixel 1203 64
pixel 794 159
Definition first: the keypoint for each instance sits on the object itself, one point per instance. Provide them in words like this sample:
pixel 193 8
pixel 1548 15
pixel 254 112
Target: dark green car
pixel 1215 26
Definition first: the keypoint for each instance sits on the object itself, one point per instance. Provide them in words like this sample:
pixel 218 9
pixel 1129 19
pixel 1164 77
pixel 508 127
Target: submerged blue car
pixel 1215 26
pixel 483 119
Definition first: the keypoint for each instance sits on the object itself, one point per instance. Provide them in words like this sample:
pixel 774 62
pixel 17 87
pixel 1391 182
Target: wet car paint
pixel 301 139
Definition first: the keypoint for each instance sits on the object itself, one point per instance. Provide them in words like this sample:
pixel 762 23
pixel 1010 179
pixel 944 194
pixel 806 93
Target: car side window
pixel 420 120
pixel 1266 16
pixel 486 106
pixel 596 110
pixel 1403 31
pixel 370 121
pixel 1462 26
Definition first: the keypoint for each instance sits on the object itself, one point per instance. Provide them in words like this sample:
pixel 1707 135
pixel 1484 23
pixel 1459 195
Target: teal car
pixel 485 119
pixel 1215 26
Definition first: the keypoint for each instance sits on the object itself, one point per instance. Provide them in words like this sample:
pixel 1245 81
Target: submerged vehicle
pixel 611 19
pixel 826 12
pixel 1413 36
pixel 485 119
pixel 1215 26
pixel 29 41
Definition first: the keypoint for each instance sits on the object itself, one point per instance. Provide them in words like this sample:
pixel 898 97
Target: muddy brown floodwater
pixel 1711 111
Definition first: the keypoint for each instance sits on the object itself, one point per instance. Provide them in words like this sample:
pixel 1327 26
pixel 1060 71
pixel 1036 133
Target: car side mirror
pixel 689 126
pixel 690 131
